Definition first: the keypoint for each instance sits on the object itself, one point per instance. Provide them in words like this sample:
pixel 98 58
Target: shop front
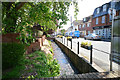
pixel 103 31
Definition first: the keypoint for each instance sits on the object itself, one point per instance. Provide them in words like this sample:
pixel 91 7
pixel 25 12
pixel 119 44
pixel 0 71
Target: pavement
pixel 101 53
pixel 106 40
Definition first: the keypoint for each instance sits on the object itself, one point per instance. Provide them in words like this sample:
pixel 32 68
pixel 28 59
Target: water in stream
pixel 66 67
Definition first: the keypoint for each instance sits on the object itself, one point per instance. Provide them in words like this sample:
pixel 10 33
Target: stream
pixel 66 67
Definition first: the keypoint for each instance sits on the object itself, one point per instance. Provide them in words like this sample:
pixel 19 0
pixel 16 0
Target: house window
pixel 98 10
pixel 88 32
pixel 83 25
pixel 110 18
pixel 88 24
pixel 103 19
pixel 104 8
pixel 80 26
pixel 96 20
pixel 84 19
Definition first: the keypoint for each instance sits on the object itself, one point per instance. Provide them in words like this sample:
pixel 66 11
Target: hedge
pixel 11 54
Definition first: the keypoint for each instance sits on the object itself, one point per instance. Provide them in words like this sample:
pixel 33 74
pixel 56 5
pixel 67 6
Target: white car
pixel 92 36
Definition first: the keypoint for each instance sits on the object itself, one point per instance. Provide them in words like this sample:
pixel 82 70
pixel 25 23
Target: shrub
pixel 11 54
pixel 51 50
pixel 48 35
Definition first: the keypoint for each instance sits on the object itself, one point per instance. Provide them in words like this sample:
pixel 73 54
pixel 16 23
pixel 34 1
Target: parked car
pixel 92 36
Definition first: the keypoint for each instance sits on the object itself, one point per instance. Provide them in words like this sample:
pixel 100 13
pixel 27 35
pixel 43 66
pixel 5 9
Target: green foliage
pixel 43 65
pixel 63 32
pixel 49 42
pixel 48 35
pixel 18 16
pixel 12 53
pixel 14 73
pixel 51 50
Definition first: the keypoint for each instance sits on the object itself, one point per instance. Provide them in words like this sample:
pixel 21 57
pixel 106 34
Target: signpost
pixel 115 36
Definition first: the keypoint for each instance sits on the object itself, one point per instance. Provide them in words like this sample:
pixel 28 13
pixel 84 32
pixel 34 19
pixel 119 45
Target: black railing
pixel 78 48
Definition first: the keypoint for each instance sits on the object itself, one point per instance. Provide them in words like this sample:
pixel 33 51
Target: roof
pixel 117 7
pixel 88 19
pixel 101 10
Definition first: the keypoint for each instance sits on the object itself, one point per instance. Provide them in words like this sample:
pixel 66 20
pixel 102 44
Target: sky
pixel 86 8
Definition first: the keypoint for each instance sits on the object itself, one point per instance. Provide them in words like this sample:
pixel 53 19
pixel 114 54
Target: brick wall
pixel 107 22
pixel 33 47
pixel 90 28
pixel 10 37
pixel 80 63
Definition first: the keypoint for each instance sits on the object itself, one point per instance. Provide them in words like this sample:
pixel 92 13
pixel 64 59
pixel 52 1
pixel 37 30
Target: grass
pixel 35 65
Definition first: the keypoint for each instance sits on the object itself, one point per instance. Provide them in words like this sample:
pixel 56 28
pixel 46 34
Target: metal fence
pixel 75 46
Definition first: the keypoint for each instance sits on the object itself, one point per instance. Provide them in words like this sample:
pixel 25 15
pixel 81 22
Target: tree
pixel 63 31
pixel 19 17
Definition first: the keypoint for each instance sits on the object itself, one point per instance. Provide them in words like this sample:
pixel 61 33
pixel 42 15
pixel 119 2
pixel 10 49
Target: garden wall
pixel 80 63
pixel 10 37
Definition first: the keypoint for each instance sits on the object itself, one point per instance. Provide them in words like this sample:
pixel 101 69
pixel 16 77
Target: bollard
pixel 71 43
pixel 67 42
pixel 64 40
pixel 91 54
pixel 78 47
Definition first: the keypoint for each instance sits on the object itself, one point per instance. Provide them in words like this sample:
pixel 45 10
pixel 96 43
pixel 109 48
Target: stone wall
pixel 80 63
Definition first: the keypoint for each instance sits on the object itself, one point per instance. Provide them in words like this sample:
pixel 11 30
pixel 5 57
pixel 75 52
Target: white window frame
pixel 88 32
pixel 83 25
pixel 110 18
pixel 80 26
pixel 98 10
pixel 88 24
pixel 104 8
pixel 97 20
pixel 103 19
pixel 84 19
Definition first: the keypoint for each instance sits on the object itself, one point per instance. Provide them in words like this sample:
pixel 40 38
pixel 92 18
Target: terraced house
pixel 85 27
pixel 102 21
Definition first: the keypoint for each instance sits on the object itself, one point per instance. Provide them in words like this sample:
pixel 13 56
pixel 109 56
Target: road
pixel 100 56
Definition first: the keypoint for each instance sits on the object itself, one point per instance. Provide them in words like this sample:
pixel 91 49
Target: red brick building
pixel 102 21
pixel 85 27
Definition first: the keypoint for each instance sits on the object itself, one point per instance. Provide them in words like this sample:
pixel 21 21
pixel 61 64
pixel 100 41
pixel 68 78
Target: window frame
pixel 89 32
pixel 83 25
pixel 98 10
pixel 96 20
pixel 110 18
pixel 103 19
pixel 104 8
pixel 88 24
